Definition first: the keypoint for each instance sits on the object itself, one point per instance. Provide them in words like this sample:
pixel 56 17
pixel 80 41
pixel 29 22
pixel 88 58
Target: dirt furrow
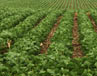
pixel 92 21
pixel 47 42
pixel 75 42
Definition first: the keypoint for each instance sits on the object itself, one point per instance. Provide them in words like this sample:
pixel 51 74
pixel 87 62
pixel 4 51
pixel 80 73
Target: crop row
pixel 14 33
pixel 36 35
pixel 4 13
pixel 31 40
pixel 14 20
pixel 52 4
pixel 24 58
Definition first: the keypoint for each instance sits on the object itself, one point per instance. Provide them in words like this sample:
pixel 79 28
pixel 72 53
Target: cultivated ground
pixel 48 37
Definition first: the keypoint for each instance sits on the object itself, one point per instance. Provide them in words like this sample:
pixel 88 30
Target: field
pixel 48 37
pixel 50 4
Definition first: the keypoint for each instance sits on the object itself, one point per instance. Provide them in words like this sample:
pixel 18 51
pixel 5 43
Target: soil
pixel 75 42
pixel 47 42
pixel 4 50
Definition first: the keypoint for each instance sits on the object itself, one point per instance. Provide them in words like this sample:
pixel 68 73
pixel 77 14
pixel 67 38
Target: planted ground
pixel 42 43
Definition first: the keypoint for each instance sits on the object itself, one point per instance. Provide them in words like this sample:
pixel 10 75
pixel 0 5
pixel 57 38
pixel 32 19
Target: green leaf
pixel 95 64
pixel 42 71
pixel 50 71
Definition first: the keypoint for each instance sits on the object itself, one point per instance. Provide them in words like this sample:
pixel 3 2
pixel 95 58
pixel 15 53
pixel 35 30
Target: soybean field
pixel 48 37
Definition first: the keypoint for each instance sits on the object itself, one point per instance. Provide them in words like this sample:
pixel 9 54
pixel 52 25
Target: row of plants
pixel 58 62
pixel 88 35
pixel 88 40
pixel 62 39
pixel 24 58
pixel 60 50
pixel 14 20
pixel 32 40
pixel 52 4
pixel 25 47
pixel 23 27
pixel 5 13
pixel 93 13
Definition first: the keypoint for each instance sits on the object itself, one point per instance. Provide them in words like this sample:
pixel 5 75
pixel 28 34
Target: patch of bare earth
pixel 77 53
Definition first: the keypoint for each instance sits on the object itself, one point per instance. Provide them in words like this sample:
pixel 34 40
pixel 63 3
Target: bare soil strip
pixel 75 42
pixel 92 21
pixel 47 42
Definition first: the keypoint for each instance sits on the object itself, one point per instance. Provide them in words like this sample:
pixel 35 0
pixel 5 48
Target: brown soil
pixel 47 42
pixel 3 51
pixel 75 42
pixel 92 21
